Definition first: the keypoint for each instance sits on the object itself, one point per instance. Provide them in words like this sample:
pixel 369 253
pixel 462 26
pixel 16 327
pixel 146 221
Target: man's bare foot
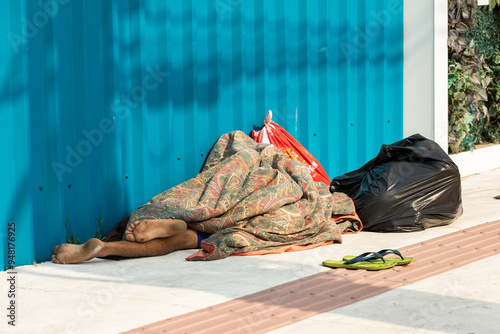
pixel 68 253
pixel 145 230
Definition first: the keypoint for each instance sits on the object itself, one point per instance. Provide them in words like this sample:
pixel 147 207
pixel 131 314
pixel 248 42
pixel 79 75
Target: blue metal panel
pixel 107 103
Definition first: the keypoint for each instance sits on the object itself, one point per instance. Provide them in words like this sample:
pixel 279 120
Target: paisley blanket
pixel 254 200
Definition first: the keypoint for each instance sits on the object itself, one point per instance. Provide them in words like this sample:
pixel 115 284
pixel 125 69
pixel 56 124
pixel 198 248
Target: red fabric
pixel 280 138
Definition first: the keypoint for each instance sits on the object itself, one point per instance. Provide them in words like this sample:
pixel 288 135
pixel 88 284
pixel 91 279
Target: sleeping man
pixel 249 199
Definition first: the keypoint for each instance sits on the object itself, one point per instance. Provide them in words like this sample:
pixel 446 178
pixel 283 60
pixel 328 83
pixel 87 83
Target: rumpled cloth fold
pixel 254 200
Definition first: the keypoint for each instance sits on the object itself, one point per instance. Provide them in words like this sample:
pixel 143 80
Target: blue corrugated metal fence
pixel 108 103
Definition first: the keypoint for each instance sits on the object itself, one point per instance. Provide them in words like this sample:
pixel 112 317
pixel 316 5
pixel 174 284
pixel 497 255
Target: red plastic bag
pixel 274 134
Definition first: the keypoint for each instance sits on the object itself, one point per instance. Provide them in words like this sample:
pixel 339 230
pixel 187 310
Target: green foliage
pixel 494 3
pixel 493 64
pixel 466 96
pixel 467 75
pixel 487 39
pixel 487 129
pixel 487 33
pixel 70 236
pixel 72 239
pixel 99 231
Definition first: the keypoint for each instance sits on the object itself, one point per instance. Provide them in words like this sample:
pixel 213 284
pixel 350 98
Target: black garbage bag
pixel 411 185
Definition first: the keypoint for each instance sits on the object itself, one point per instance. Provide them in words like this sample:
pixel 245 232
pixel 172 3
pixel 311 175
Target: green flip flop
pixel 399 262
pixel 367 261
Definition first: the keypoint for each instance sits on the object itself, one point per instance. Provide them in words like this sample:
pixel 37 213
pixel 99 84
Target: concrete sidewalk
pixel 114 296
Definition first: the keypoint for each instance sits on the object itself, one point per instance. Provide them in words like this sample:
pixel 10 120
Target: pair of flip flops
pixel 370 261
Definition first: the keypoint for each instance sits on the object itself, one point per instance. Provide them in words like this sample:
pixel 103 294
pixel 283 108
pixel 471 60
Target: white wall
pixel 426 69
pixel 441 73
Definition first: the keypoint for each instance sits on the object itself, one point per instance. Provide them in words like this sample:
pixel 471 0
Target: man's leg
pixel 67 253
pixel 149 229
